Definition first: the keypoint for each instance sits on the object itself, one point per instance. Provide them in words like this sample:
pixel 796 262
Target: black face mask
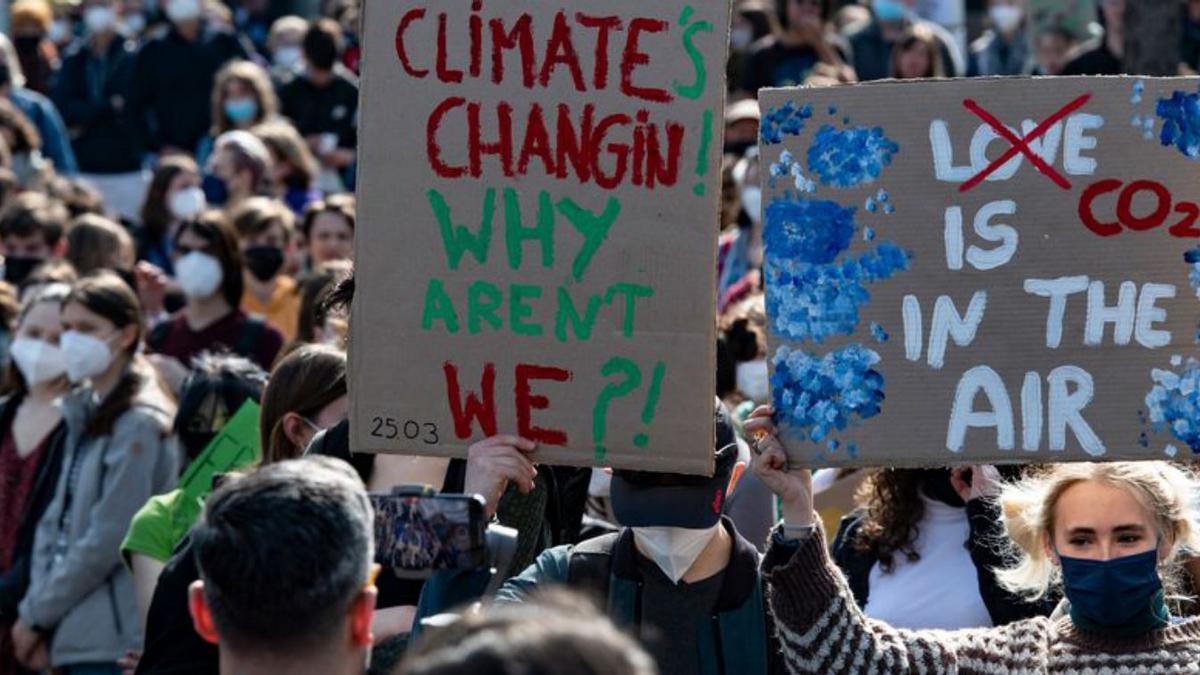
pixel 738 148
pixel 935 484
pixel 27 44
pixel 264 262
pixel 18 268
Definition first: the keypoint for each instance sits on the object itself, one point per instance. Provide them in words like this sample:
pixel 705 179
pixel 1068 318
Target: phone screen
pixel 416 535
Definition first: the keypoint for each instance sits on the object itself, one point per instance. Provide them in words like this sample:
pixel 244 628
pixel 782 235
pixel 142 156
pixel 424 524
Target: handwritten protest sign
pixel 538 196
pixel 984 270
pixel 236 446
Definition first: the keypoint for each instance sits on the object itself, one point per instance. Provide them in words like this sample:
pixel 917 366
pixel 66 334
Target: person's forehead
pixel 1099 505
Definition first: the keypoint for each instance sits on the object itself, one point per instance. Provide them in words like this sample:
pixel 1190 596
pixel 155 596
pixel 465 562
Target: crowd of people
pixel 177 223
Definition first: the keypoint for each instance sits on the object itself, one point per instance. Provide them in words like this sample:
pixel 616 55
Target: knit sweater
pixel 822 630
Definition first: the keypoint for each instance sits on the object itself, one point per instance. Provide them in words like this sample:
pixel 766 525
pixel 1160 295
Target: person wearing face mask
pixel 214 392
pixel 173 198
pixel 915 531
pixel 240 167
pixel 208 269
pixel 1005 48
pixel 38 109
pixel 80 604
pixel 285 50
pixel 175 73
pixel 31 449
pixel 31 232
pixel 1109 533
pixel 872 43
pixel 740 246
pixel 265 231
pixel 30 22
pixel 242 98
pixel 90 92
pixel 677 574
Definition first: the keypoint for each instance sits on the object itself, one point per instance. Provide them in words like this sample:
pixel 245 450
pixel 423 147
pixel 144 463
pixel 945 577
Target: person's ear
pixel 128 336
pixel 59 250
pixel 296 430
pixel 201 613
pixel 362 612
pixel 1048 547
pixel 734 477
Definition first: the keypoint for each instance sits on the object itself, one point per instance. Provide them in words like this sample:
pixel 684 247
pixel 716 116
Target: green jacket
pixel 738 638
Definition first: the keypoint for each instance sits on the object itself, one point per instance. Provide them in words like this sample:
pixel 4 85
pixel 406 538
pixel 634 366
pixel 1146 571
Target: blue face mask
pixel 1111 593
pixel 241 110
pixel 890 11
pixel 216 192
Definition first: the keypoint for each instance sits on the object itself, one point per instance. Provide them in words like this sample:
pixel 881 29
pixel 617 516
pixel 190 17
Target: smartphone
pixel 419 532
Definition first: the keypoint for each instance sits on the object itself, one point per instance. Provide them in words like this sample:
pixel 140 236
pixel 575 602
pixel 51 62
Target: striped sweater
pixel 822 630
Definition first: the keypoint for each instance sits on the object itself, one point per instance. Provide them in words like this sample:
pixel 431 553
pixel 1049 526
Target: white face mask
pixel 85 355
pixel 752 202
pixel 199 274
pixel 187 203
pixel 135 23
pixel 1006 18
pixel 287 57
pixel 740 38
pixel 184 10
pixel 99 19
pixel 38 360
pixel 673 549
pixel 754 380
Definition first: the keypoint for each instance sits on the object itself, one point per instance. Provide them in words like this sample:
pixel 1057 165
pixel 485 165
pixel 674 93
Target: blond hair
pixel 1167 492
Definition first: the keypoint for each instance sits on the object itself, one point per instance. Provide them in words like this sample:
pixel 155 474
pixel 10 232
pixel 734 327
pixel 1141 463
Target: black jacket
pixel 104 137
pixel 15 580
pixel 172 99
pixel 986 531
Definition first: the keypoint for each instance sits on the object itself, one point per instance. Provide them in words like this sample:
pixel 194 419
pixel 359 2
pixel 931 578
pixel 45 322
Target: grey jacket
pixel 79 588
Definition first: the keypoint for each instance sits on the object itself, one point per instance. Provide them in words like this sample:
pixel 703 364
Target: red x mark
pixel 1021 145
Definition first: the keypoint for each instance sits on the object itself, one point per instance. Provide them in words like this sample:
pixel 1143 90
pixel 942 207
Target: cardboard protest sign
pixel 236 446
pixel 999 270
pixel 538 199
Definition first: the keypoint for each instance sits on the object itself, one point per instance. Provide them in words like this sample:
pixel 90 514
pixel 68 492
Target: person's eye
pixel 1129 538
pixel 1079 541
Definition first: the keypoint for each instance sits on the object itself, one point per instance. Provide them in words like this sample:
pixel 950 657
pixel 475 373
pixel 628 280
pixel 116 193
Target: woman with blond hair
pixel 1110 535
pixel 242 97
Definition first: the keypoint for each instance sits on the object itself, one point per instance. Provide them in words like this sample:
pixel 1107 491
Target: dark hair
pixel 315 289
pixel 31 213
pixel 284 552
pixel 156 214
pixel 919 34
pixel 256 215
pixel 323 44
pixel 288 146
pixel 212 227
pixel 555 632
pixel 78 197
pixel 781 12
pixel 304 382
pixel 107 295
pixel 342 296
pixel 95 243
pixel 52 271
pixel 213 392
pixel 891 504
pixel 26 136
pixel 342 205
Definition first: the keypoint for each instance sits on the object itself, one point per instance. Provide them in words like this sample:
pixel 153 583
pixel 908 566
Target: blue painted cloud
pixel 815 396
pixel 1181 123
pixel 849 157
pixel 1174 403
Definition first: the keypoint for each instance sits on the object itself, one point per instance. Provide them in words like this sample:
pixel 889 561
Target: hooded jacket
pixel 79 587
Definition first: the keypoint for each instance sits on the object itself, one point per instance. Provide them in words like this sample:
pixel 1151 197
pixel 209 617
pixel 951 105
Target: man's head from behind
pixel 286 573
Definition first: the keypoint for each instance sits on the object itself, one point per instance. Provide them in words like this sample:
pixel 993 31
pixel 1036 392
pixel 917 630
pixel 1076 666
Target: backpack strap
pixel 589 566
pixel 252 331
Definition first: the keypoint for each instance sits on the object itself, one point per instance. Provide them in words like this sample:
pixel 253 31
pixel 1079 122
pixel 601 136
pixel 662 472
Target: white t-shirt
pixel 941 590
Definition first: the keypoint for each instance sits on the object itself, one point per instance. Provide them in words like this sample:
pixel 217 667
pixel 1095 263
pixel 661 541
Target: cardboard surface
pixel 922 316
pixel 236 446
pixel 538 200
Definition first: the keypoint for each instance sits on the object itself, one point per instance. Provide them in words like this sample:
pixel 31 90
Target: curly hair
pixel 890 500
